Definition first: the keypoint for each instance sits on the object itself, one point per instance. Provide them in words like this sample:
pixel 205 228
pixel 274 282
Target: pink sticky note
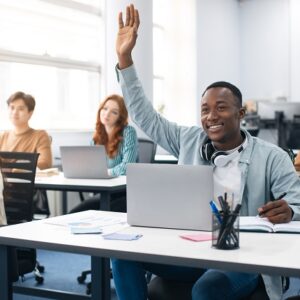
pixel 199 237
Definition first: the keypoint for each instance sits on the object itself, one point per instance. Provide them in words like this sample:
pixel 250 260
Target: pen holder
pixel 225 231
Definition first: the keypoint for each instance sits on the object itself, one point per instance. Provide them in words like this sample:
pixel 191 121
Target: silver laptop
pixel 169 196
pixel 85 162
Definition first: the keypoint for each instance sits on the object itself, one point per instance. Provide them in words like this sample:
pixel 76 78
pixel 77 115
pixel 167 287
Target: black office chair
pixel 40 200
pixel 147 150
pixel 18 172
pixel 163 289
pixel 293 133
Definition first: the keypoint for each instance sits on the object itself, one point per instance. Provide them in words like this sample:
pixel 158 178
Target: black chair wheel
pixel 88 289
pixel 39 279
pixel 41 268
pixel 81 278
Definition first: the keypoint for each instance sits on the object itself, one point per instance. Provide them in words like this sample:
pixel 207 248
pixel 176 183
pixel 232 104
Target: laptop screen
pixel 85 162
pixel 169 196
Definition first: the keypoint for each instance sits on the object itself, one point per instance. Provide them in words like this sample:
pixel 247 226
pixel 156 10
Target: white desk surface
pixel 63 181
pixel 265 253
pixel 103 186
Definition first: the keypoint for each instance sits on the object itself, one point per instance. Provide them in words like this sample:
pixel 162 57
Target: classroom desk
pixel 104 186
pixel 267 253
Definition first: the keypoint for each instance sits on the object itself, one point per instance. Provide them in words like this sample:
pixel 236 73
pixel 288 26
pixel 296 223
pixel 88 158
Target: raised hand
pixel 127 36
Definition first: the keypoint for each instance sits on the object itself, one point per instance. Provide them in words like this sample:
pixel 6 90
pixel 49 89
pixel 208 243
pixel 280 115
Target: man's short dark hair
pixel 28 100
pixel 235 91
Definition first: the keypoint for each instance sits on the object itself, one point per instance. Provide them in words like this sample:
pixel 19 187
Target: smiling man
pixel 221 113
pixel 256 172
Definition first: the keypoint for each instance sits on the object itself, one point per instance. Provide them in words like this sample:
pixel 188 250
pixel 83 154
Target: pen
pixel 222 203
pixel 225 234
pixel 215 211
pixel 282 195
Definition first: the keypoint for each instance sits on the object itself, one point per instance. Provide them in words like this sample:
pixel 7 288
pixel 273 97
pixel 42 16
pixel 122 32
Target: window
pixel 174 60
pixel 53 50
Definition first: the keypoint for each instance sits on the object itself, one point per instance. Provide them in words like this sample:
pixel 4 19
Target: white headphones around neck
pixel 218 158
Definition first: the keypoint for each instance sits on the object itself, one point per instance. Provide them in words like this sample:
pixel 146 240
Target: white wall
pixel 252 43
pixel 295 49
pixel 218 50
pixel 265 70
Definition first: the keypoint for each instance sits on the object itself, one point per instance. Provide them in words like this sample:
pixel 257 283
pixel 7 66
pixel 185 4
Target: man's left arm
pixel 285 186
pixel 44 148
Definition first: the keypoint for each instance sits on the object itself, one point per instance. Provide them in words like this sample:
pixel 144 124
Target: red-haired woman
pixel 121 144
pixel 113 131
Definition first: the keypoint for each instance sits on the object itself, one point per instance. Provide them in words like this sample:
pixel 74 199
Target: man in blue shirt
pixel 256 172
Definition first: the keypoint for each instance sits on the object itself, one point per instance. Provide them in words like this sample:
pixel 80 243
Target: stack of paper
pixel 90 221
pixel 85 227
pixel 47 172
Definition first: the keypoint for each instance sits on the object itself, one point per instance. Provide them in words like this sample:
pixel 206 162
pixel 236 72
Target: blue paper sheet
pixel 122 236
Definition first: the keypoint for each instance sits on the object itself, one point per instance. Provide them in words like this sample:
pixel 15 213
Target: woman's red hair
pixel 100 136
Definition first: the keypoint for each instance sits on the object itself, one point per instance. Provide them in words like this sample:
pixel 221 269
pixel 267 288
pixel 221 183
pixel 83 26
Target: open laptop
pixel 169 196
pixel 85 162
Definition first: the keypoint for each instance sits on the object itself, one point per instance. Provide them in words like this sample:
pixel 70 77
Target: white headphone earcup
pixel 221 160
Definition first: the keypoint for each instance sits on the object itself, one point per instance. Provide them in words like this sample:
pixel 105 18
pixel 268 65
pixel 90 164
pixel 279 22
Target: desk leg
pixel 5 284
pixel 64 202
pixel 100 278
pixel 105 201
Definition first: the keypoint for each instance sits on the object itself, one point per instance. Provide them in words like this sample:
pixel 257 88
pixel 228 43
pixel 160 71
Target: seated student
pixel 22 138
pixel 258 174
pixel 297 161
pixel 113 131
pixel 120 141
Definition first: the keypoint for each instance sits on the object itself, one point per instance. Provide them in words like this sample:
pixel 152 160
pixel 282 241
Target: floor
pixel 57 264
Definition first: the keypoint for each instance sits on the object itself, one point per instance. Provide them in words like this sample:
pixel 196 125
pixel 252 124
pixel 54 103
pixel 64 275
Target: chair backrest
pixel 293 136
pixel 18 172
pixel 147 150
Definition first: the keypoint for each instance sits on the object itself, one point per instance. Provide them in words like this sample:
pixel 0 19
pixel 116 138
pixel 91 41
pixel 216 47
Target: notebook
pixel 169 196
pixel 85 162
pixel 256 223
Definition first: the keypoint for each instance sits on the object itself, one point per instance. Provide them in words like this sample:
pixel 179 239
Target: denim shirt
pixel 266 170
pixel 127 152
